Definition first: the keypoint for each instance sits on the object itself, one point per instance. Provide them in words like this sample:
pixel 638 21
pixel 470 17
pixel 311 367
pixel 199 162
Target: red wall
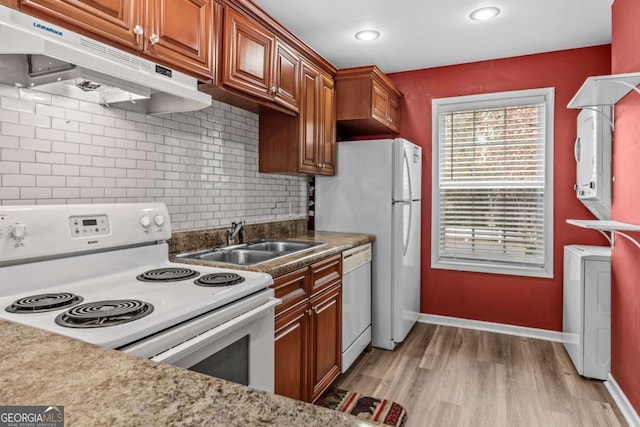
pixel 523 301
pixel 625 294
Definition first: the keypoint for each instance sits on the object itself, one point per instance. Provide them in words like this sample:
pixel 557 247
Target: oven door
pixel 239 350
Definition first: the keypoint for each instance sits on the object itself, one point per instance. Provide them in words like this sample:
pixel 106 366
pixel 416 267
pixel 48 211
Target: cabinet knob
pixel 154 38
pixel 274 89
pixel 138 30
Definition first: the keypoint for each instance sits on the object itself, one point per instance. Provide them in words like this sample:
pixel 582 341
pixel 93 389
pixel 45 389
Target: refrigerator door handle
pixel 407 236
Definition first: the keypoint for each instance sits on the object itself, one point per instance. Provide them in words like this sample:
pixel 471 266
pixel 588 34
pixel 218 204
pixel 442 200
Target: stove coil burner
pixel 99 314
pixel 171 274
pixel 219 279
pixel 44 302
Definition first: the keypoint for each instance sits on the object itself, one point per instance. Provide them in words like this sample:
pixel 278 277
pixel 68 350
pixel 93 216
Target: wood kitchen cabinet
pixel 175 33
pixel 368 102
pixel 258 64
pixel 11 3
pixel 308 329
pixel 304 144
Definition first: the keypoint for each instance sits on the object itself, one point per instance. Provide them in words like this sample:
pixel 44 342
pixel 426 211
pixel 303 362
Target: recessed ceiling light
pixel 484 13
pixel 367 35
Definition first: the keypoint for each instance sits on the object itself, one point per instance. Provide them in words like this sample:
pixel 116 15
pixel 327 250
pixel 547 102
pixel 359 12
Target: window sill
pixel 487 268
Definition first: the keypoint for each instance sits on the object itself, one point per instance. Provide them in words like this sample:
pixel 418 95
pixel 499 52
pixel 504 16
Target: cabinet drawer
pixel 325 273
pixel 290 288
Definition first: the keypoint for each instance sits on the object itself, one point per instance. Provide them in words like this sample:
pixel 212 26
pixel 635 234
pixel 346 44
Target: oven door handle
pixel 222 329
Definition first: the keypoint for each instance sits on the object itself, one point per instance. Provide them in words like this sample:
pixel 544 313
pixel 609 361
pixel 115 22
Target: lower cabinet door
pixel 326 327
pixel 291 338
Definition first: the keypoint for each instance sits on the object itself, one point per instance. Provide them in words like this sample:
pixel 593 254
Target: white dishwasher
pixel 356 303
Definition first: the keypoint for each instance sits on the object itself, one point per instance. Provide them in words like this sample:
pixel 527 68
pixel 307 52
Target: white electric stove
pixel 101 274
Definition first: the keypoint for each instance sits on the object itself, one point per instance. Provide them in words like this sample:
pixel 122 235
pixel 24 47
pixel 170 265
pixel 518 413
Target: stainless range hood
pixel 44 57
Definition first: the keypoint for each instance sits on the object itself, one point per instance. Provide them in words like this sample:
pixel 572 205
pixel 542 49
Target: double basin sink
pixel 249 253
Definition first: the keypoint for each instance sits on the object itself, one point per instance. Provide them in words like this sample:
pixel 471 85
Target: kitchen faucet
pixel 237 231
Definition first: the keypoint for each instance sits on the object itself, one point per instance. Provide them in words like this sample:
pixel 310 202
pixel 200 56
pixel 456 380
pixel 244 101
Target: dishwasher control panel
pixel 354 258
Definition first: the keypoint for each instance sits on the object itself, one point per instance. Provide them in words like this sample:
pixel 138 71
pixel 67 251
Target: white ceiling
pixel 428 33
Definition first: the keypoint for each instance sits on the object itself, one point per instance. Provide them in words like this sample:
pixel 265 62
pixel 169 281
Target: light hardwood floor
pixel 446 376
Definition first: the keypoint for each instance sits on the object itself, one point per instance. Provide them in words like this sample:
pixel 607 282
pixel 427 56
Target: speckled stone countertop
pixel 334 243
pixel 100 387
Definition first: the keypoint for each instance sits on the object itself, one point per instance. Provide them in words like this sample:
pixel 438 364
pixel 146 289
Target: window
pixel 492 198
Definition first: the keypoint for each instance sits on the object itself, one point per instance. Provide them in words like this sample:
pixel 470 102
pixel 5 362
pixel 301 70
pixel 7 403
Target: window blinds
pixel 491 185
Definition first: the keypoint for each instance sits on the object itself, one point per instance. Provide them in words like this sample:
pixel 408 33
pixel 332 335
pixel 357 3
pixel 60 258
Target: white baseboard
pixel 628 412
pixel 500 328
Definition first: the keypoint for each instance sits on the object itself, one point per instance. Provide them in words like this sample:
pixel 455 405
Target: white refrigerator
pixel 377 190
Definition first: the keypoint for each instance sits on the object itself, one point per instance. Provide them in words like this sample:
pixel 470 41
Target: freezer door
pixel 407 170
pixel 405 268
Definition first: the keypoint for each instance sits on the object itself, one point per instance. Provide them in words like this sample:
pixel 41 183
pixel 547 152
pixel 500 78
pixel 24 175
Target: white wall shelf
pixel 605 90
pixel 606 226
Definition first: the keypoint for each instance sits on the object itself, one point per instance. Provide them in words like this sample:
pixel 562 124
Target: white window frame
pixel 496 100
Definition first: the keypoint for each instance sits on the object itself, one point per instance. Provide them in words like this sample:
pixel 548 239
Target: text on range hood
pixel 48 58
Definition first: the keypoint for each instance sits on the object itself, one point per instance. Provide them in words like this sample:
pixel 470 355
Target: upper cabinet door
pixel 180 33
pixel 112 20
pixel 327 129
pixel 308 157
pixel 394 114
pixel 248 54
pixel 286 77
pixel 379 103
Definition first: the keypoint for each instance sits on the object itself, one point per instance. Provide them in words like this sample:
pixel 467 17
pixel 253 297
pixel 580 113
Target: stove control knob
pixel 159 219
pixel 145 221
pixel 18 232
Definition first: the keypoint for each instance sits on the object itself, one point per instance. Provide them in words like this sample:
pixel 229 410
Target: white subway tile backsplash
pixel 64 102
pixel 51 181
pixel 106 121
pixel 52 134
pixel 18 155
pixel 35 168
pixel 49 110
pixel 104 141
pixel 67 170
pixel 9 193
pixel 18 180
pixel 202 164
pixel 9 141
pixel 9 103
pixel 91 129
pixel 35 144
pixel 35 193
pixel 91 150
pixel 8 116
pixel 91 192
pixel 105 162
pixel 12 129
pixel 64 124
pixel 91 171
pixel 78 116
pixel 35 97
pixel 65 193
pixel 77 159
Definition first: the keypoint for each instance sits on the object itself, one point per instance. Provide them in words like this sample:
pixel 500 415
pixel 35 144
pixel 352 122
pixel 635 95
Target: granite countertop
pixel 334 243
pixel 98 386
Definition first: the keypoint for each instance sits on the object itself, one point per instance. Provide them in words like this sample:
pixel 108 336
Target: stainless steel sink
pixel 249 253
pixel 238 256
pixel 281 246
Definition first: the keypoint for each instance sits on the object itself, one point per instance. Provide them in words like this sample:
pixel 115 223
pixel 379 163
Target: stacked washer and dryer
pixel 586 317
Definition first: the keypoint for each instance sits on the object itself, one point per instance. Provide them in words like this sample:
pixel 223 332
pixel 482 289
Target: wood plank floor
pixel 446 376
